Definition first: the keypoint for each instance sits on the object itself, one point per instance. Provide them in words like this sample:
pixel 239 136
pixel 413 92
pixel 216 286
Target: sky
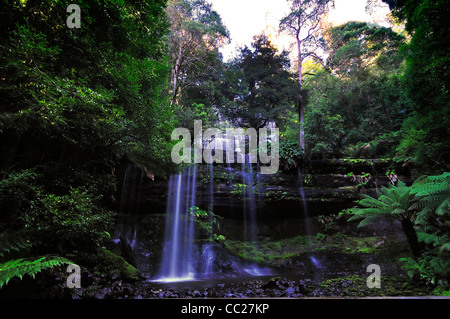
pixel 246 18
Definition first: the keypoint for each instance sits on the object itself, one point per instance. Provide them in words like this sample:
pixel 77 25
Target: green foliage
pixel 21 267
pixel 394 202
pixel 239 190
pixel 260 88
pixel 208 223
pixel 359 48
pixel 73 220
pixel 357 98
pixel 432 269
pixel 290 155
pixel 197 32
pixel 422 145
pixel 426 203
pixel 324 132
pixel 245 250
pixel 80 99
pixel 440 291
pixel 220 239
pixel 20 243
pixel 74 103
pixel 433 218
pixel 17 190
pixel 433 193
pixel 13 242
pixel 59 222
pixel 425 143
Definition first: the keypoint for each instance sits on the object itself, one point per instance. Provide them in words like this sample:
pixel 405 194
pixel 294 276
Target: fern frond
pixel 372 202
pixel 433 196
pixel 21 267
pixel 370 220
pixel 431 238
pixel 431 189
pixel 444 207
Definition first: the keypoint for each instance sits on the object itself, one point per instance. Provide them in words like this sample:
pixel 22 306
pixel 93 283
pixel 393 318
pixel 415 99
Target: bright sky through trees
pixel 246 18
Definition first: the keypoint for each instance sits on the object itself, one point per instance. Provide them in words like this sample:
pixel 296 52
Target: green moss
pixel 119 264
pixel 282 256
pixel 274 196
pixel 245 250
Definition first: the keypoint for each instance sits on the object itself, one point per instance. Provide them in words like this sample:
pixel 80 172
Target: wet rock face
pixel 330 185
pixel 279 208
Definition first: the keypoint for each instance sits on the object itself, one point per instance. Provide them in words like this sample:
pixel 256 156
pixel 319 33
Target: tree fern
pixel 424 205
pixel 21 267
pixel 395 202
pixel 433 193
pixel 433 239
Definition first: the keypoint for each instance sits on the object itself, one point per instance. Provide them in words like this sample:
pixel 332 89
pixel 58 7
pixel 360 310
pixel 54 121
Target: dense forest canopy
pixel 75 103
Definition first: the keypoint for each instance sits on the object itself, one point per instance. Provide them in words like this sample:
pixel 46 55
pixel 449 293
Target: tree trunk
pixel 176 72
pixel 301 120
pixel 411 236
pixel 301 117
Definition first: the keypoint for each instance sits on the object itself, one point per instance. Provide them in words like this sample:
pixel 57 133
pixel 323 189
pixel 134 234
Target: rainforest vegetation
pixel 77 104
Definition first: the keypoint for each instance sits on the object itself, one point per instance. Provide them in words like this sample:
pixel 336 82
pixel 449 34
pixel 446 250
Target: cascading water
pixel 250 215
pixel 250 222
pixel 207 255
pixel 178 253
pixel 184 258
pixel 207 260
pixel 314 262
pixel 130 199
pixel 128 235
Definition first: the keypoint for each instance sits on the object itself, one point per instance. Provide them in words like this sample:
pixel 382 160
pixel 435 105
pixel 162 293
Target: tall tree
pixel 425 143
pixel 263 88
pixel 303 23
pixel 74 102
pixel 359 98
pixel 197 32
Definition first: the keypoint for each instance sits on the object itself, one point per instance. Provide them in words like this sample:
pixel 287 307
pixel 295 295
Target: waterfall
pixel 130 199
pixel 250 215
pixel 249 202
pixel 178 253
pixel 186 256
pixel 128 234
pixel 207 260
pixel 183 259
pixel 314 262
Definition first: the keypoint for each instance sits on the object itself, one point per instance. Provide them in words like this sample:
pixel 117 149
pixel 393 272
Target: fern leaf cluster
pixel 17 244
pixel 434 239
pixel 21 267
pixel 433 193
pixel 393 202
pixel 427 204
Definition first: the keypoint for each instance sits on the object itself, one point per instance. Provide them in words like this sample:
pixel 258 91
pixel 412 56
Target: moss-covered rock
pixel 121 266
